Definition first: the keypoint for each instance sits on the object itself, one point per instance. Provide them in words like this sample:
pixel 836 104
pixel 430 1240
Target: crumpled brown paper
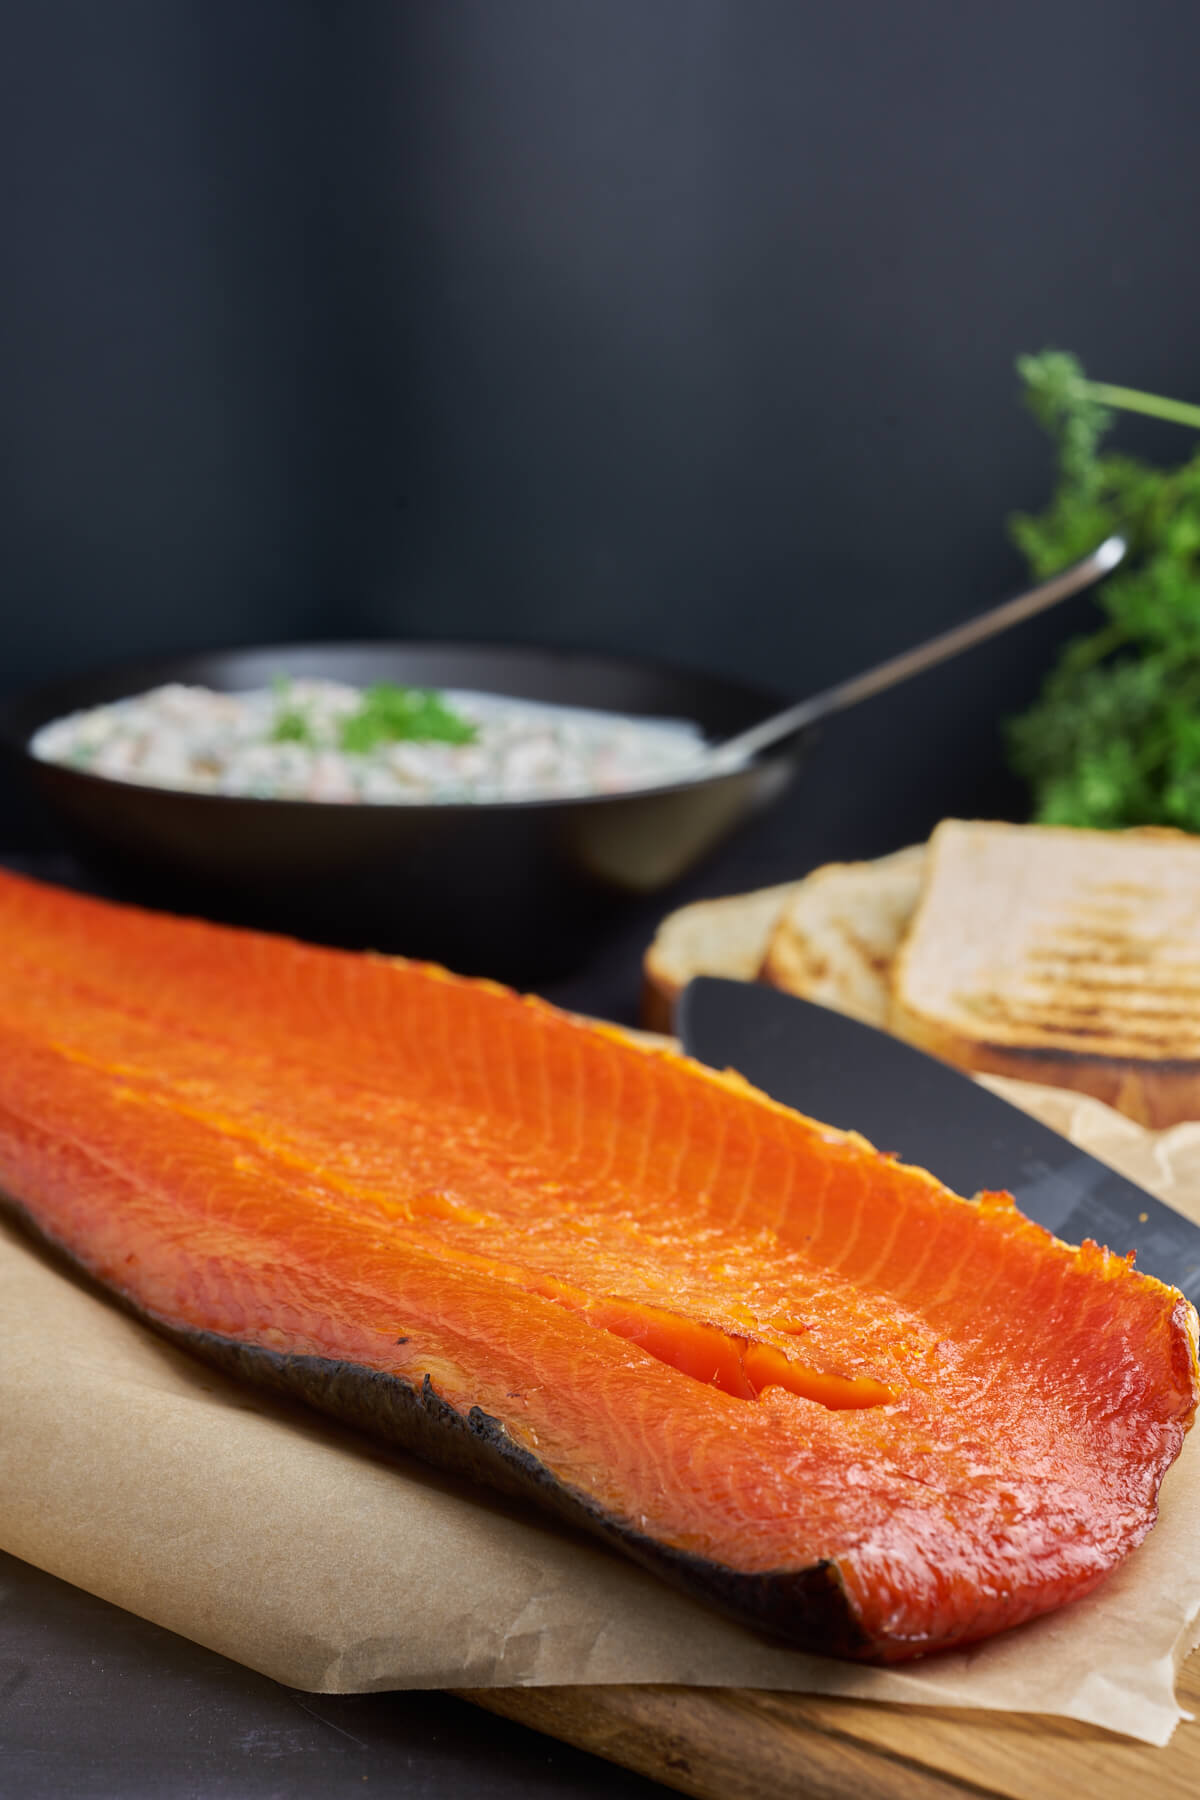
pixel 306 1553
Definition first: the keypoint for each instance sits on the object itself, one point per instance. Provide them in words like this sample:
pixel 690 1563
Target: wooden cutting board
pixel 732 1744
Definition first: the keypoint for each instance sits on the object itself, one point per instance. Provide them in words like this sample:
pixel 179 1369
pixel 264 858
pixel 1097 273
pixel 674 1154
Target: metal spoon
pixel 774 730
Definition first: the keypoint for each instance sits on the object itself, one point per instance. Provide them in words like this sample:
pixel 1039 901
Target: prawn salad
pixel 326 740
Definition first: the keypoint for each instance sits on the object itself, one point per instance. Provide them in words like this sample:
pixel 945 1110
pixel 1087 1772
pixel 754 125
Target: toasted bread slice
pixel 1063 956
pixel 828 937
pixel 836 937
pixel 711 937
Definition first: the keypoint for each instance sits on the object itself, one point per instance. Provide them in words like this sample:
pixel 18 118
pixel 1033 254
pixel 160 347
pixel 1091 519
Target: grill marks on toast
pixel 1098 991
pixel 1094 973
pixel 1044 940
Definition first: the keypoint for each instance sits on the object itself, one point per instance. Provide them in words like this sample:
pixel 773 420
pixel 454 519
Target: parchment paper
pixel 308 1554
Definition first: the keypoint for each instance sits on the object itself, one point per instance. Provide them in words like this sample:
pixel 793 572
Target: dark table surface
pixel 95 1702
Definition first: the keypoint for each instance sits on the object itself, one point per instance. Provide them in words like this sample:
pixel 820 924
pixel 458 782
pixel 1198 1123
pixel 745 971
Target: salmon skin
pixel 799 1379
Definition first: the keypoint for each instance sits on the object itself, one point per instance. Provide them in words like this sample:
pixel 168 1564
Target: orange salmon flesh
pixel 800 1378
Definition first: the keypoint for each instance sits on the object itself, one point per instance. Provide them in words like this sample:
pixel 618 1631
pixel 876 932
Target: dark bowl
pixel 515 889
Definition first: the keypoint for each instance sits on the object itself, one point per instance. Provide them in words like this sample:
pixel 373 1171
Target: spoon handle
pixel 1072 580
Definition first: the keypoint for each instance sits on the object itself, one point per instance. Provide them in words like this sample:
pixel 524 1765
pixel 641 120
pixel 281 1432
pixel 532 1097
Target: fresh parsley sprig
pixel 1114 738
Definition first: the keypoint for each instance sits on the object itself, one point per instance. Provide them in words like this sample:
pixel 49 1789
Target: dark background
pixel 676 327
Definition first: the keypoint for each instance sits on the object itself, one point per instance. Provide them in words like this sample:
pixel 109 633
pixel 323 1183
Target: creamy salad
pixel 324 740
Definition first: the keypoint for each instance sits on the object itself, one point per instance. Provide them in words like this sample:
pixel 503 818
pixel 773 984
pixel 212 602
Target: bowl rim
pixel 17 737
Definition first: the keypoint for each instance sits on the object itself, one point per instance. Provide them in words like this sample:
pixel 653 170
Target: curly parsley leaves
pixel 1114 738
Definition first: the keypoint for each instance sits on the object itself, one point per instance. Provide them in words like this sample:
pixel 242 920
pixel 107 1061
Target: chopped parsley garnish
pixel 291 727
pixel 291 724
pixel 386 714
pixel 390 715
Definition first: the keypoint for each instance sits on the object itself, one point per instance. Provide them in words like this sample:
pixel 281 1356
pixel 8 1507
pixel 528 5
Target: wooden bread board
pixel 733 1744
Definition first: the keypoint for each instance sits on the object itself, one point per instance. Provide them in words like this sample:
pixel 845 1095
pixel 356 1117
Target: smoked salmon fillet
pixel 798 1378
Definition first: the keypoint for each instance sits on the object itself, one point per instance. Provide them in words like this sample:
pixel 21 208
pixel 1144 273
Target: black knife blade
pixel 854 1076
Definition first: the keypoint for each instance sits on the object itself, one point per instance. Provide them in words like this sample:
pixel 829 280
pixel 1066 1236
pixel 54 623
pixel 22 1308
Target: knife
pixel 861 1079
